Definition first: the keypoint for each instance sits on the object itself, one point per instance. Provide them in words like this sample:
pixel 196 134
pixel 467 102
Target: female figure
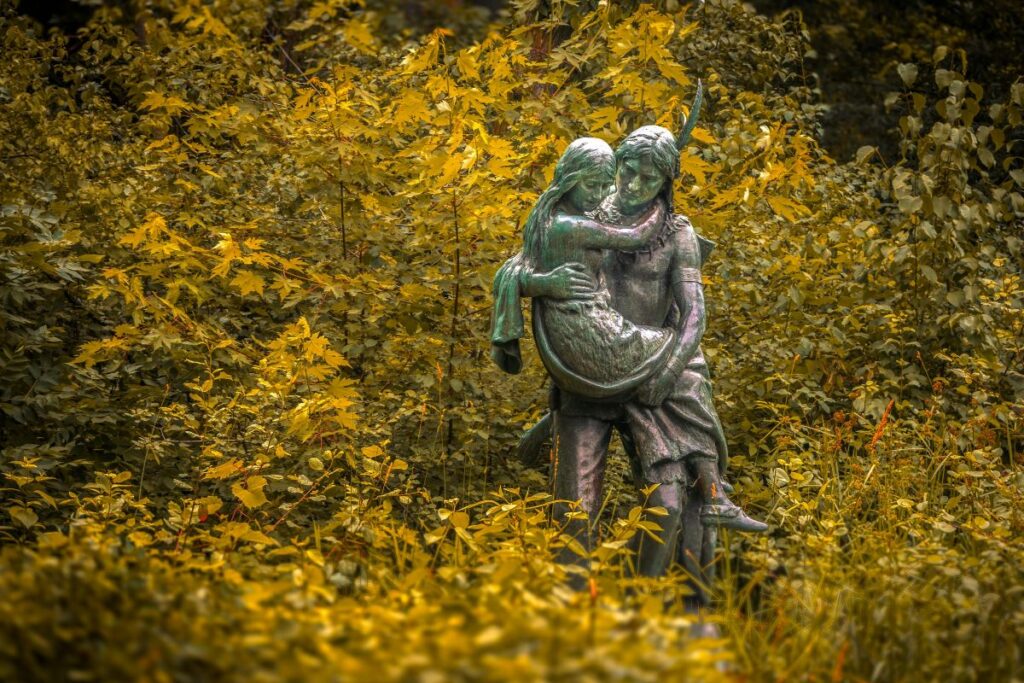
pixel 586 345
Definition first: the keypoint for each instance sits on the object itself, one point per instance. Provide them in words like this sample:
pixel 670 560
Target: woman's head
pixel 585 172
pixel 583 175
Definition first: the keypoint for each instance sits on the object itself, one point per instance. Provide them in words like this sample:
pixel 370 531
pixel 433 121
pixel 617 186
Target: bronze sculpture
pixel 618 316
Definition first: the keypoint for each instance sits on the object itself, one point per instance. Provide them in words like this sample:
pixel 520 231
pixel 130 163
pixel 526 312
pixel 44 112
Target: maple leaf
pixel 223 470
pixel 248 282
pixel 358 35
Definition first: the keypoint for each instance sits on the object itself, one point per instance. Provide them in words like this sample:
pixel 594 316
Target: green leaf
pixel 865 152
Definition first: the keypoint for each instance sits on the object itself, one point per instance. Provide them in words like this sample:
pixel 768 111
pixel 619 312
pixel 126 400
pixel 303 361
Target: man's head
pixel 647 162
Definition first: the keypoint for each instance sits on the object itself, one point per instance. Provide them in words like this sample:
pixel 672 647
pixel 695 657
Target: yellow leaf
pixel 153 227
pixel 605 117
pixel 467 63
pixel 23 516
pixel 52 539
pixel 423 59
pixel 209 171
pixel 140 539
pixel 372 451
pixel 450 170
pixel 346 419
pixel 410 106
pixel 254 536
pixel 209 505
pixel 152 100
pixel 702 135
pixel 470 157
pixel 671 70
pixel 358 35
pixel 169 141
pixel 244 532
pixel 697 167
pixel 223 470
pixel 172 105
pixel 335 359
pixel 248 282
pixel 489 636
pixel 789 209
pixel 251 494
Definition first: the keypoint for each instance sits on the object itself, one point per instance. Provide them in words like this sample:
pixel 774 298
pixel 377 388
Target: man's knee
pixel 671 496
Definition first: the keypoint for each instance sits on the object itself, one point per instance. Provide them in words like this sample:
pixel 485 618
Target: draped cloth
pixel 589 348
pixel 507 322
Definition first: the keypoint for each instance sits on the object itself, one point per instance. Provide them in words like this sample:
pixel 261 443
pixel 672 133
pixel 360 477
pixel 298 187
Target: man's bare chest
pixel 642 266
pixel 649 264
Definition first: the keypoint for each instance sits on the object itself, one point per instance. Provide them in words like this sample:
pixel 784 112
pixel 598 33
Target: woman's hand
pixel 567 281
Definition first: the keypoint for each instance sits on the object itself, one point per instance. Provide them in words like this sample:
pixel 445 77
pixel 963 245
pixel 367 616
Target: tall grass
pixel 895 556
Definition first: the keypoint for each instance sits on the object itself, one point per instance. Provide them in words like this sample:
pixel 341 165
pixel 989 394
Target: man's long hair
pixel 582 155
pixel 659 144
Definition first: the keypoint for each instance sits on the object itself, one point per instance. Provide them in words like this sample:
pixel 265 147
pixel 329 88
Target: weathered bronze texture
pixel 618 316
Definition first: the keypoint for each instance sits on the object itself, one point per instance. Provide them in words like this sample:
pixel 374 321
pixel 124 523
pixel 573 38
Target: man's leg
pixel 581 449
pixel 653 557
pixel 697 551
pixel 533 450
pixel 718 508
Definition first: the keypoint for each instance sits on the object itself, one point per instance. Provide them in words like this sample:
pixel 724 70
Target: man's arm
pixel 587 233
pixel 688 293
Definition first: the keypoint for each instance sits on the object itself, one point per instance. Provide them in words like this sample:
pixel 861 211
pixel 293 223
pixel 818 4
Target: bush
pixel 250 430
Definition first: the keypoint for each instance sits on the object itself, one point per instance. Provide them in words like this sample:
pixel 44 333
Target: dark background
pixel 854 47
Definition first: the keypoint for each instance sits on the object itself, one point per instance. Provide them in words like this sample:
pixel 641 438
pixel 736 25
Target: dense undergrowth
pixel 250 430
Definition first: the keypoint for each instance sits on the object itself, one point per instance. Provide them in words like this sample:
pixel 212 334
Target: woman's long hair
pixel 581 156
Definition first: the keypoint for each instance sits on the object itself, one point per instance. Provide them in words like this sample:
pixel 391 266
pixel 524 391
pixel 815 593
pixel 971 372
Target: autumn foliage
pixel 249 429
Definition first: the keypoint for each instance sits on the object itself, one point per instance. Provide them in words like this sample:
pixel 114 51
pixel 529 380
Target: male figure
pixel 669 425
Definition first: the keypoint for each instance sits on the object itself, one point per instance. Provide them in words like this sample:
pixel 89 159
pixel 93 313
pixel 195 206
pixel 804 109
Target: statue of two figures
pixel 614 275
